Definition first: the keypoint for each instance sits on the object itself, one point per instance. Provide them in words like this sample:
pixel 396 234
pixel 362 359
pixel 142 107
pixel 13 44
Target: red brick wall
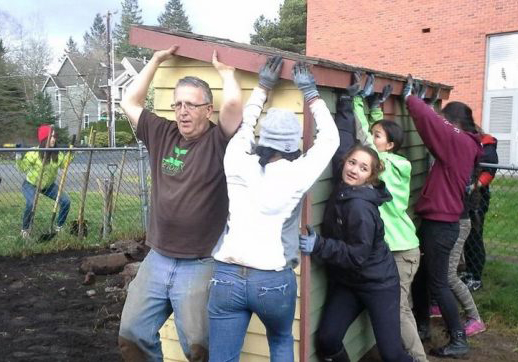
pixel 387 36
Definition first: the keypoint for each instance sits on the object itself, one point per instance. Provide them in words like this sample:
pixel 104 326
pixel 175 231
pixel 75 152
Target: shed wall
pixel 359 337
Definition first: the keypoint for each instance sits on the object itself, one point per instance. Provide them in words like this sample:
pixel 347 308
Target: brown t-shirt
pixel 189 202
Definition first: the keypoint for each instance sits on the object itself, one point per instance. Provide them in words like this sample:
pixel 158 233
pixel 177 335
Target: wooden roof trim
pixel 250 58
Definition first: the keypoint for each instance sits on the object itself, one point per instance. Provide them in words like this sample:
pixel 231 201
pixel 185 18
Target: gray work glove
pixel 408 87
pixel 368 88
pixel 305 81
pixel 377 99
pixel 420 89
pixel 434 98
pixel 307 242
pixel 270 71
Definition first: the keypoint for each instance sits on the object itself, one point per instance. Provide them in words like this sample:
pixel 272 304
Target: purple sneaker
pixel 474 326
pixel 435 311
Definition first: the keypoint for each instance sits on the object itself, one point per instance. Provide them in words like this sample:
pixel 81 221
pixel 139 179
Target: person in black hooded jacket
pixel 361 270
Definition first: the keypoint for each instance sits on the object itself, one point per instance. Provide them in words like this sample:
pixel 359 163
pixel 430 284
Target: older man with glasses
pixel 189 206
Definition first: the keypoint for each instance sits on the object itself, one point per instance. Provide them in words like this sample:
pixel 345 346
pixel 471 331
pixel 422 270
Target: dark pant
pixel 29 191
pixel 344 304
pixel 437 239
pixel 474 250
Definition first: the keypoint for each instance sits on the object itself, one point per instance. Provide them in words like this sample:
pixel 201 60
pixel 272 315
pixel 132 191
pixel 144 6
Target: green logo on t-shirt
pixel 173 165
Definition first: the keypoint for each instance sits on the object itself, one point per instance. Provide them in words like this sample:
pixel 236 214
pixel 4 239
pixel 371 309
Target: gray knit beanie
pixel 280 130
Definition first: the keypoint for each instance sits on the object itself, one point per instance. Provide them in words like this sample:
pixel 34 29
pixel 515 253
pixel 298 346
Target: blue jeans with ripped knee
pixel 235 293
pixel 166 285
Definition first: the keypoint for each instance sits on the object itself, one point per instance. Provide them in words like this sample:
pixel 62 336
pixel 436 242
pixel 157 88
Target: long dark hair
pixel 266 153
pixel 377 166
pixel 461 115
pixel 51 155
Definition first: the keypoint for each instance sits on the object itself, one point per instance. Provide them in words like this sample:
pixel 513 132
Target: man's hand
pixel 165 54
pixel 305 81
pixel 270 71
pixel 222 68
pixel 18 156
pixel 307 242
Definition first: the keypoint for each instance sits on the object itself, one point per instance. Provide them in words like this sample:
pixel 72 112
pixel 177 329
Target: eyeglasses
pixel 190 106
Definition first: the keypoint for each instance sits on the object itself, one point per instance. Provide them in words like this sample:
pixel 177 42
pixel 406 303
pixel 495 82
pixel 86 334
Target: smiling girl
pixel 361 270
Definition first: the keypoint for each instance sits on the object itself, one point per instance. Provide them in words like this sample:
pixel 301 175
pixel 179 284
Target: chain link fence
pixel 493 219
pixel 114 197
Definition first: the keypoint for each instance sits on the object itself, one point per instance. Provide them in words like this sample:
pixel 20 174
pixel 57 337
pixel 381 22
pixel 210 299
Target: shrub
pixel 121 139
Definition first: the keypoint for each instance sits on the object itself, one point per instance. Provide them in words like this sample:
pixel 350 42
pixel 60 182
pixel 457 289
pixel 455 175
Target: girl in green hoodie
pixel 31 164
pixel 386 137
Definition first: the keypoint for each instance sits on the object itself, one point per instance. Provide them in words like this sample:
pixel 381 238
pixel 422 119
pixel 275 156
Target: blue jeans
pixel 238 291
pixel 29 191
pixel 164 285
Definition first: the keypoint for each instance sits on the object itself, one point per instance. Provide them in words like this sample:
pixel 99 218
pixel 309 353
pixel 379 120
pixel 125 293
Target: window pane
pixel 503 62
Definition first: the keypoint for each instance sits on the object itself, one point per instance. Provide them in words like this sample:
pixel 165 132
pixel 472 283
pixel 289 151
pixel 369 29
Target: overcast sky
pixel 59 19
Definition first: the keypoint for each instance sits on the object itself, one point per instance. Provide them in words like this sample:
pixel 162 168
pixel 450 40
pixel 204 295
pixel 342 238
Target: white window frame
pixel 512 136
pixel 86 120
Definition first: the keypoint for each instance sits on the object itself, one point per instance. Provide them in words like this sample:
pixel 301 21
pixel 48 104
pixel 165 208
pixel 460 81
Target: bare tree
pixel 29 50
pixel 85 90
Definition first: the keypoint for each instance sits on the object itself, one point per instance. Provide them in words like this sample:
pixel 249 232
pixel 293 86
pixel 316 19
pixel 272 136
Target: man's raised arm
pixel 134 99
pixel 231 111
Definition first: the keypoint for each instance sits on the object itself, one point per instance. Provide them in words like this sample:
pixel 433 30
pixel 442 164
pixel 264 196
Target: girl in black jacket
pixel 361 269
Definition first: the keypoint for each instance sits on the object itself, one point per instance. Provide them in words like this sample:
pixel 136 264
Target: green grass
pixel 500 233
pixel 126 223
pixel 498 299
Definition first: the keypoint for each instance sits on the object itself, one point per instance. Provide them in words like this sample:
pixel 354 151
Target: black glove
pixel 368 88
pixel 377 99
pixel 305 81
pixel 269 73
pixel 408 87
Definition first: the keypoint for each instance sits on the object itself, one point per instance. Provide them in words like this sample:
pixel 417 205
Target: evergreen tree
pixel 174 18
pixel 131 14
pixel 288 32
pixel 12 101
pixel 40 111
pixel 71 47
pixel 95 40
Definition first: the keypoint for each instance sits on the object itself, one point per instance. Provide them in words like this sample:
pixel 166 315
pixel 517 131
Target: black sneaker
pixel 474 284
pixel 465 276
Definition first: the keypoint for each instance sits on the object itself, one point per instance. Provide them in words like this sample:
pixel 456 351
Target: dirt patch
pixel 491 346
pixel 47 314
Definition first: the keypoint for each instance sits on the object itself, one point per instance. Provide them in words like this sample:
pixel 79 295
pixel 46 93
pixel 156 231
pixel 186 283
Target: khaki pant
pixel 407 262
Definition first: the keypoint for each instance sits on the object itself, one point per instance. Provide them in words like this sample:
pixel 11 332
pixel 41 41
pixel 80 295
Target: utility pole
pixel 111 118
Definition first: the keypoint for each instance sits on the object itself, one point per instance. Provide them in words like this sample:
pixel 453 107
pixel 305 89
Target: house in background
pixel 472 45
pixel 78 90
pixel 193 58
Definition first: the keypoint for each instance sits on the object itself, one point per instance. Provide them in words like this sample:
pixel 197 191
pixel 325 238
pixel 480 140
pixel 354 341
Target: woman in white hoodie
pixel 266 182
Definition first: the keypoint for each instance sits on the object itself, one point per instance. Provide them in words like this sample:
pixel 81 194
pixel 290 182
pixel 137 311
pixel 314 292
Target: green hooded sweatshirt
pixel 31 164
pixel 399 228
